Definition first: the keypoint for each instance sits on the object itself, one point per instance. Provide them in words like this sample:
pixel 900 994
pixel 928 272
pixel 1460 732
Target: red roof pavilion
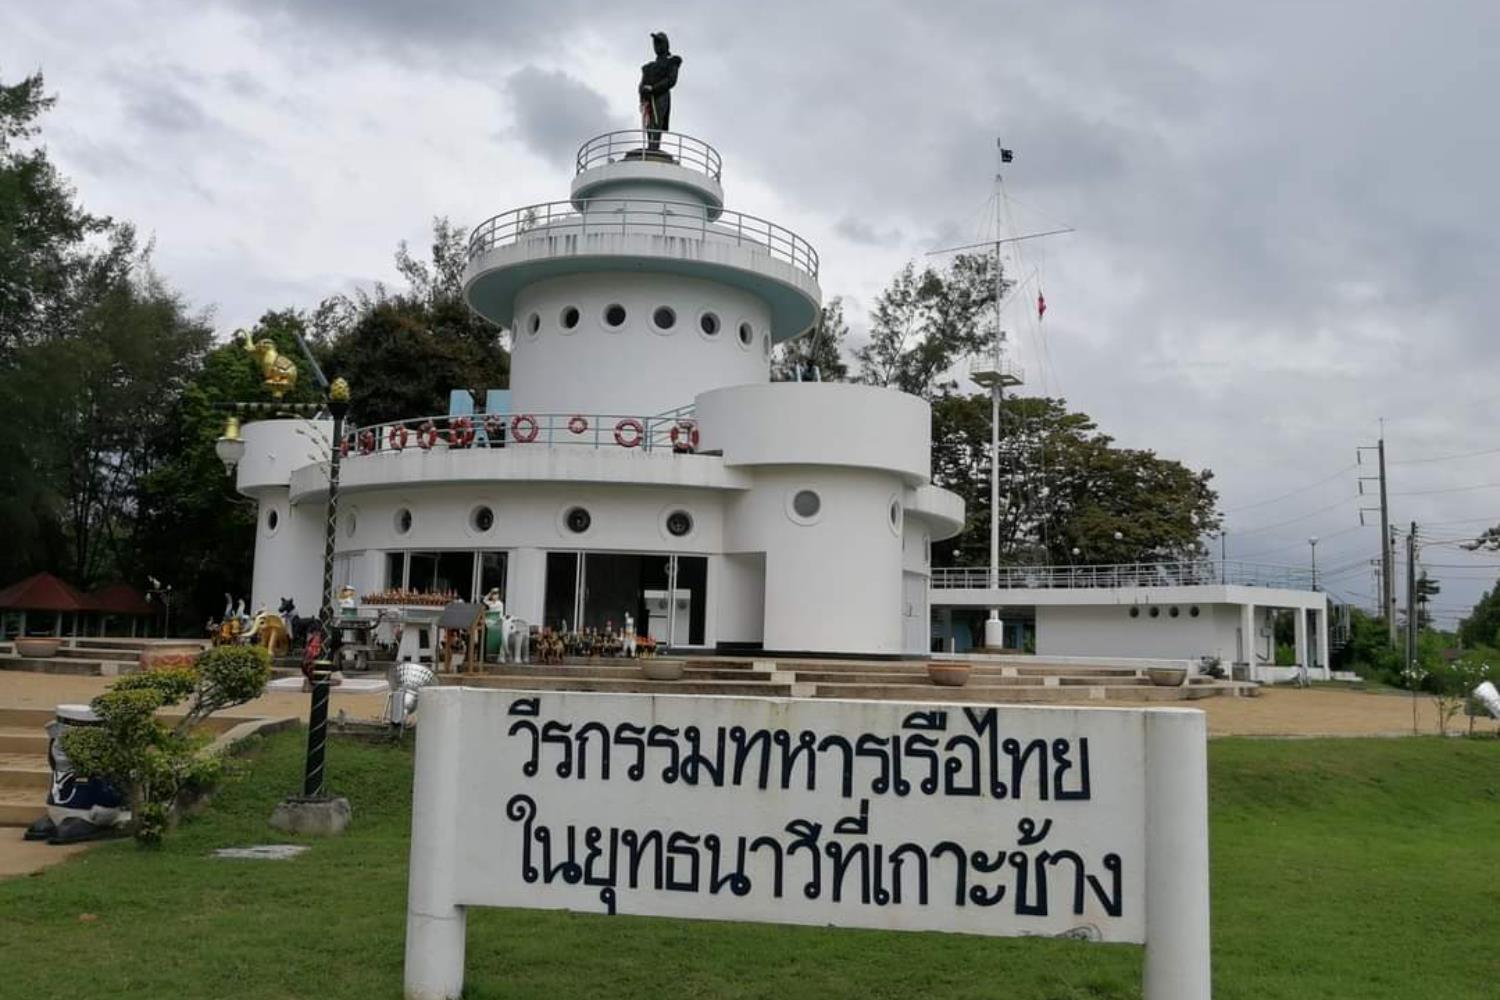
pixel 42 592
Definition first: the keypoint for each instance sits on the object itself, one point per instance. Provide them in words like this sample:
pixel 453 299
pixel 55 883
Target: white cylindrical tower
pixel 641 289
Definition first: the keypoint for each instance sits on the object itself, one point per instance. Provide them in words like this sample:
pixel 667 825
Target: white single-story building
pixel 1190 610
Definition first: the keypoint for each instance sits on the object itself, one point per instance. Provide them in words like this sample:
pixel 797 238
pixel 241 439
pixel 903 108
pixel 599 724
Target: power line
pixel 1447 489
pixel 1261 503
pixel 1294 520
pixel 1446 458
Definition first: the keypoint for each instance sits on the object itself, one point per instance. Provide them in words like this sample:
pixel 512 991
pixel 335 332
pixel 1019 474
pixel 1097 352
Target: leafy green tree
pixel 1064 486
pixel 1482 625
pixel 1427 589
pixel 820 349
pixel 924 324
pixel 403 352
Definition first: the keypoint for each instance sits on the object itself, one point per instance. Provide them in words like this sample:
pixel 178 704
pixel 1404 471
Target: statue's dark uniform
pixel 658 77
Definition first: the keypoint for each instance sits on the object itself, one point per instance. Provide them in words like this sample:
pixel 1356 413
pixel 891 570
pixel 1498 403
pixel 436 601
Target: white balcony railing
pixel 636 144
pixel 553 220
pixel 675 431
pixel 1166 574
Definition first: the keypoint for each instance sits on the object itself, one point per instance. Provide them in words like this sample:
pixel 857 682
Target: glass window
pixel 562 589
pixel 807 503
pixel 395 569
pixel 455 573
pixel 614 314
pixel 491 573
pixel 421 574
pixel 665 317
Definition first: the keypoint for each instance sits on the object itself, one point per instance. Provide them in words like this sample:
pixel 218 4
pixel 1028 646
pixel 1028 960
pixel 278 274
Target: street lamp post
pixel 311 812
pixel 1312 543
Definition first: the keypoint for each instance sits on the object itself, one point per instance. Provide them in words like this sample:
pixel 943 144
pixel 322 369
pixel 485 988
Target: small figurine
pixel 627 636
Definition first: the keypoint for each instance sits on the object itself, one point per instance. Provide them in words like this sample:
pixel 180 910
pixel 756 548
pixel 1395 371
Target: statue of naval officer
pixel 658 77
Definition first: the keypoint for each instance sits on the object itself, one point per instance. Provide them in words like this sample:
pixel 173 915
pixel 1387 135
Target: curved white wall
pixel 634 368
pixel 288 557
pixel 274 449
pixel 832 584
pixel 819 423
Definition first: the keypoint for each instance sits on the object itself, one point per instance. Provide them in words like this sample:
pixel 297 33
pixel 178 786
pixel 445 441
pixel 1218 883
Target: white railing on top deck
pixel 1164 574
pixel 635 144
pixel 641 216
pixel 675 431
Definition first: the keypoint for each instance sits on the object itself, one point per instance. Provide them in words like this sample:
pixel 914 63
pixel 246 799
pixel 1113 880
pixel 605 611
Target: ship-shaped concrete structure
pixel 642 462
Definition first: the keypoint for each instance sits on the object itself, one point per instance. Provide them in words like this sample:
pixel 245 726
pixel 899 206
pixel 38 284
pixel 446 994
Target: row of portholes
pixel 1155 611
pixel 663 320
pixel 578 520
pixel 804 507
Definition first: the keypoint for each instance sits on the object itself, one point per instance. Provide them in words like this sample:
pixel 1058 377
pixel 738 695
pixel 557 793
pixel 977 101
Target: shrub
pixel 1452 682
pixel 137 752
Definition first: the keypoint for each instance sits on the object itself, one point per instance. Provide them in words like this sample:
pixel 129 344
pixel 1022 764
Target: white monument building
pixel 642 461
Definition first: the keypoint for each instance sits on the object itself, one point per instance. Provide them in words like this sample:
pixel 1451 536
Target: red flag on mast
pixel 1041 305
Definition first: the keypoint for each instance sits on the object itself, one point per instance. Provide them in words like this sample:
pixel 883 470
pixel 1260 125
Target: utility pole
pixel 1387 538
pixel 1411 598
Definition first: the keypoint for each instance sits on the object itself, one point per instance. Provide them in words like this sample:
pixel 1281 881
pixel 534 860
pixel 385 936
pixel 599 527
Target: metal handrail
pixel 685 150
pixel 550 220
pixel 1165 574
pixel 524 430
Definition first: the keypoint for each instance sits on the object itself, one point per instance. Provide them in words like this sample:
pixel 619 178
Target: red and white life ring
pixel 461 432
pixel 524 428
pixel 427 435
pixel 578 424
pixel 396 436
pixel 685 435
pixel 637 433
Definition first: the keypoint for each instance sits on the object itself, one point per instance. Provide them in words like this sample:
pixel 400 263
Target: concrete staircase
pixel 885 680
pixel 89 657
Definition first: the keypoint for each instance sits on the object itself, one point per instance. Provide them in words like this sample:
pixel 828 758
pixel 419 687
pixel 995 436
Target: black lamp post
pixel 230 450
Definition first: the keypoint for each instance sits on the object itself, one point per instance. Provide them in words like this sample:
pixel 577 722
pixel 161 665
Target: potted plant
pixel 38 647
pixel 949 674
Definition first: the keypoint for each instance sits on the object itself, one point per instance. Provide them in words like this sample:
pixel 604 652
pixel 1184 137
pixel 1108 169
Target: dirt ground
pixel 1278 711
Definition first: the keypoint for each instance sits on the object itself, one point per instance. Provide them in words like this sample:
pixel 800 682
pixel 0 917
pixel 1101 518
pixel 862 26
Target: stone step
pixel 135 645
pixel 22 806
pixel 512 682
pixel 619 672
pixel 23 739
pixel 59 665
pixel 24 771
pixel 122 655
pixel 1011 695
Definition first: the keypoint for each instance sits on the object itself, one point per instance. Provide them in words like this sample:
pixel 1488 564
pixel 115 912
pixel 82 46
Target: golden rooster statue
pixel 279 373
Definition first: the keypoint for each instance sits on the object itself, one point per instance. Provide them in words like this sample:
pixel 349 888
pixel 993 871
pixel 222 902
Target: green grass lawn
pixel 1341 868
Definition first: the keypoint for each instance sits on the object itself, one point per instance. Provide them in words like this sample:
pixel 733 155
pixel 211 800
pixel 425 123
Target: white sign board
pixel 1080 822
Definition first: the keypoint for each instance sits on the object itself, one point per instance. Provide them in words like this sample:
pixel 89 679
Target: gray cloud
pixel 1284 223
pixel 553 111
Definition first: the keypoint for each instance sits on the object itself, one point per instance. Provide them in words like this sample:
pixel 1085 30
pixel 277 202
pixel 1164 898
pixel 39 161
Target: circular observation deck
pixel 639 163
pixel 613 234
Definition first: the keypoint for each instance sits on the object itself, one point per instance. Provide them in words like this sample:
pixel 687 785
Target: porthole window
pixel 679 523
pixel 1173 611
pixel 569 318
pixel 481 519
pixel 273 520
pixel 895 516
pixel 534 324
pixel 747 335
pixel 709 324
pixel 1155 612
pixel 664 318
pixel 1193 611
pixel 351 522
pixel 1135 612
pixel 806 503
pixel 403 521
pixel 927 548
pixel 614 315
pixel 578 520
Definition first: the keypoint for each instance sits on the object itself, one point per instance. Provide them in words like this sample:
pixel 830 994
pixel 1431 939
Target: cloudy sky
pixel 1286 228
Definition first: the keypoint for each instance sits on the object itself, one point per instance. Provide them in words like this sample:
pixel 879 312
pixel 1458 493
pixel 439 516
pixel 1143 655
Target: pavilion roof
pixel 119 599
pixel 42 592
